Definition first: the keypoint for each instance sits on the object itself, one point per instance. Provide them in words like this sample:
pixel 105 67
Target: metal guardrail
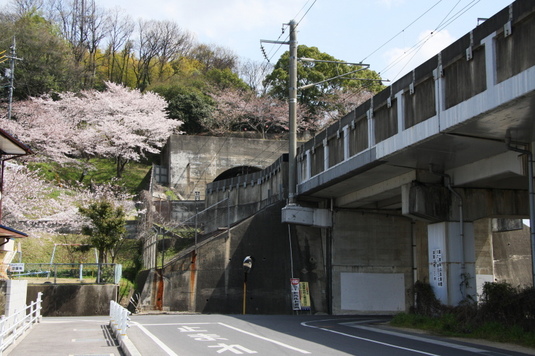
pixel 109 273
pixel 14 326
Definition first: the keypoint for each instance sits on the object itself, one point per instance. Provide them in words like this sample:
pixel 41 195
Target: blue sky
pixel 378 32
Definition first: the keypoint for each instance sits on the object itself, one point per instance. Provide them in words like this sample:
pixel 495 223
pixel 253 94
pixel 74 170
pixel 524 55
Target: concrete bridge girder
pixel 437 203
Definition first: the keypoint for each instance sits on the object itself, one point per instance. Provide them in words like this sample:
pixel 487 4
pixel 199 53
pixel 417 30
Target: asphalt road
pixel 185 335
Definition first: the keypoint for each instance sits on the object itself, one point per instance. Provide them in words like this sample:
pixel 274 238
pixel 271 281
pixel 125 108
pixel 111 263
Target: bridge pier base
pixel 451 254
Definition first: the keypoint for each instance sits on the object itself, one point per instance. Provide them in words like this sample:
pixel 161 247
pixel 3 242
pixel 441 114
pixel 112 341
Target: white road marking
pixel 419 338
pixel 265 339
pixel 159 324
pixel 155 339
pixel 368 340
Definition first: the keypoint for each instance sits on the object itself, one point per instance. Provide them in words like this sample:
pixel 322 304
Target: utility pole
pixel 292 166
pixel 292 85
pixel 11 74
pixel 292 96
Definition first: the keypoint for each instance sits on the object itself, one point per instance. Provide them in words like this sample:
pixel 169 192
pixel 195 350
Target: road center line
pixel 265 339
pixel 155 339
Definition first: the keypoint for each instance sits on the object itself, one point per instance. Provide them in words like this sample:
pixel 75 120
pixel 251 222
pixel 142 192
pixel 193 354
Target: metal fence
pixel 106 273
pixel 14 326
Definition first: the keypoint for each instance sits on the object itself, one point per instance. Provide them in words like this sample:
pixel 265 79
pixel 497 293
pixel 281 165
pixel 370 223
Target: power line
pixel 446 21
pixel 267 55
pixel 448 14
pixel 298 22
pixel 403 30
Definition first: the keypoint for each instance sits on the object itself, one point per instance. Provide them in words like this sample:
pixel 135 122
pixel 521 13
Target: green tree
pixel 226 79
pixel 314 72
pixel 106 228
pixel 187 104
pixel 47 63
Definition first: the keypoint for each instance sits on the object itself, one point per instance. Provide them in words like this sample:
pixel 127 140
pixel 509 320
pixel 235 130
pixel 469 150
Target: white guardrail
pixel 15 325
pixel 119 322
pixel 119 318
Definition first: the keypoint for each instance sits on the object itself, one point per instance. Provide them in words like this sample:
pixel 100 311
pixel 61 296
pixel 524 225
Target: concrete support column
pixel 401 111
pixel 346 142
pixel 325 154
pixel 371 128
pixel 490 59
pixel 452 262
pixel 439 89
pixel 308 165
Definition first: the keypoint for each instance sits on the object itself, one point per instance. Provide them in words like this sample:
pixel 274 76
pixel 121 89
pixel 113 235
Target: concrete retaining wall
pixel 73 299
pixel 211 280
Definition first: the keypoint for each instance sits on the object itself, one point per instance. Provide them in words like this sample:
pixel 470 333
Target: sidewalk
pixel 68 336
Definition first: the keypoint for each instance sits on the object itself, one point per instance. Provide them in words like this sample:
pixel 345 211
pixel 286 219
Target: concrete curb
pixel 128 347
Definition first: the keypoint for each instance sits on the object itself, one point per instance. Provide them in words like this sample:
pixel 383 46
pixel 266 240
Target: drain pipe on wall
pixel 531 200
pixel 461 223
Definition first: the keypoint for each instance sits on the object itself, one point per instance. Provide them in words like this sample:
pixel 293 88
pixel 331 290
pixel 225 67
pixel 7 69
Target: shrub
pixel 426 302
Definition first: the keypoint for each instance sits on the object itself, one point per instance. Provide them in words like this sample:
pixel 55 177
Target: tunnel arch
pixel 237 171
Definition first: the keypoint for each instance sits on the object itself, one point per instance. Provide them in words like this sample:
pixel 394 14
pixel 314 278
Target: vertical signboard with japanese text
pixel 296 302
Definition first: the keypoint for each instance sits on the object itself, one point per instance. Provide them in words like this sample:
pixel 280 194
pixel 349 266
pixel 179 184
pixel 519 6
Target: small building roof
pixel 9 145
pixel 9 233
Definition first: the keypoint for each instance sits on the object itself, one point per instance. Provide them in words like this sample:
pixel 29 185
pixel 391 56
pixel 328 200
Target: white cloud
pixel 428 44
pixel 216 19
pixel 390 3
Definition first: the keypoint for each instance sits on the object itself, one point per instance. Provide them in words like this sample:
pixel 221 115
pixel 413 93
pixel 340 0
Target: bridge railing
pixel 14 326
pixel 446 90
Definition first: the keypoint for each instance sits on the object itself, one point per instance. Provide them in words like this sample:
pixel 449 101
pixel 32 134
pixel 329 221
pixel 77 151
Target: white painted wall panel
pixel 373 292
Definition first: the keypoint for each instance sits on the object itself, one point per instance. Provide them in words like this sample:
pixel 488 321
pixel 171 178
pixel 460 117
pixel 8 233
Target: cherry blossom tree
pixel 341 102
pixel 124 124
pixel 244 110
pixel 40 209
pixel 120 123
pixel 33 205
pixel 27 197
pixel 50 130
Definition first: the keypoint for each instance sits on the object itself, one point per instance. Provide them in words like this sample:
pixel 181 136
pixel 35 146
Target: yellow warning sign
pixel 304 294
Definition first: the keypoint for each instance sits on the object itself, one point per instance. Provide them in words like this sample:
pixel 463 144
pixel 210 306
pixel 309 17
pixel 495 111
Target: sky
pixel 381 33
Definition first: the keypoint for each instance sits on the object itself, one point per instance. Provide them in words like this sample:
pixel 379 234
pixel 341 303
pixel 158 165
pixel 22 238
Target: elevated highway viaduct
pixel 410 186
pixel 412 177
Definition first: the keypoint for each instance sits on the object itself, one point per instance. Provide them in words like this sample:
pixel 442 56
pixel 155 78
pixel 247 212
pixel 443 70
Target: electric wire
pixel 267 56
pixel 310 7
pixel 448 14
pixel 418 46
pixel 402 31
pixel 415 48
